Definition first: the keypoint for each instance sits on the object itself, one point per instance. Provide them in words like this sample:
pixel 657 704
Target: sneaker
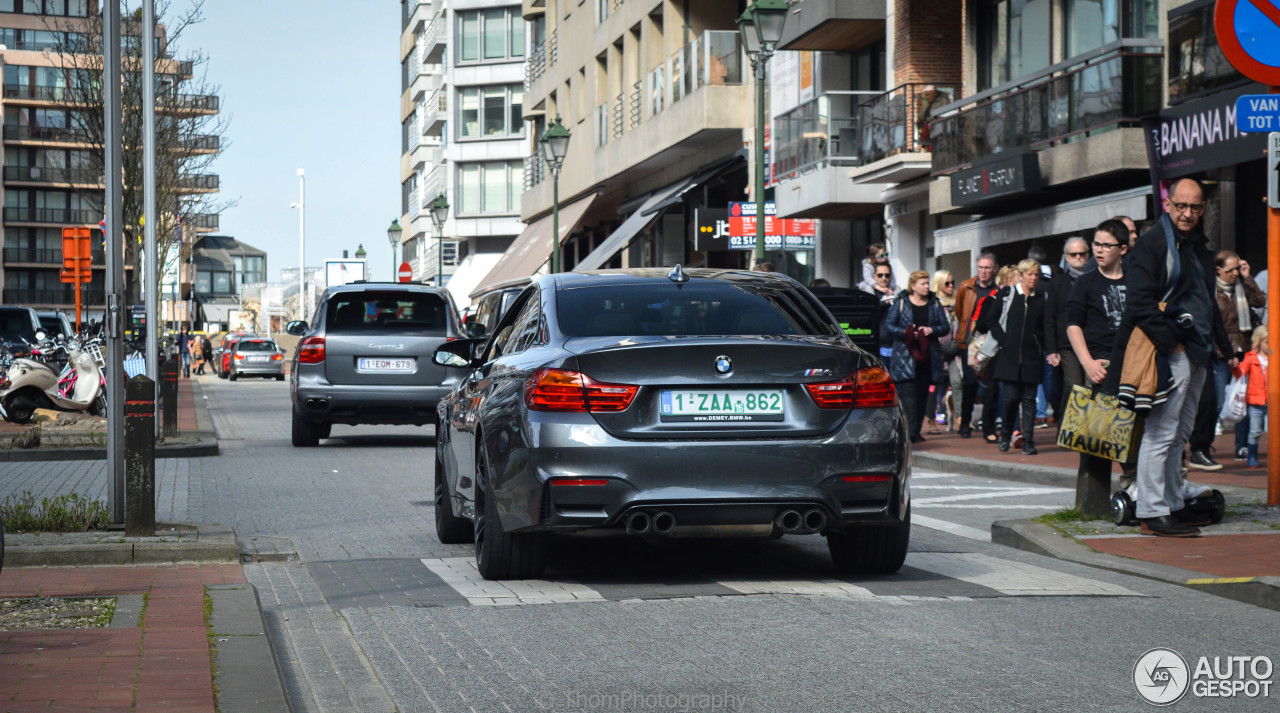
pixel 966 432
pixel 1017 439
pixel 1004 446
pixel 1191 491
pixel 1167 526
pixel 1242 453
pixel 1201 460
pixel 1042 423
pixel 1029 449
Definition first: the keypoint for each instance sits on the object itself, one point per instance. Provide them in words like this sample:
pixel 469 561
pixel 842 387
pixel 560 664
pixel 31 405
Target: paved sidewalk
pixel 1238 558
pixel 162 663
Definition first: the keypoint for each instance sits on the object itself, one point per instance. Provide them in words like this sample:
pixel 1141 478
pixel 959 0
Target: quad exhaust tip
pixel 789 521
pixel 638 523
pixel 664 523
pixel 815 520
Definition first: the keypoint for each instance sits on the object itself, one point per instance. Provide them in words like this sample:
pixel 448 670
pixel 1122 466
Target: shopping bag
pixel 1097 425
pixel 982 349
pixel 1234 404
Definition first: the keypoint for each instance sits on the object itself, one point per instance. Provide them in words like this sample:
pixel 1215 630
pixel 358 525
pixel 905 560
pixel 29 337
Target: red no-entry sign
pixel 405 273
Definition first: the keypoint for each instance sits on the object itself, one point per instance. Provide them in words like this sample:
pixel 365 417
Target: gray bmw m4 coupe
pixel 681 403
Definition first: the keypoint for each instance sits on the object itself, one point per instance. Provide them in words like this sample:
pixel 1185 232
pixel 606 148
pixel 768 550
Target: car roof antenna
pixel 677 275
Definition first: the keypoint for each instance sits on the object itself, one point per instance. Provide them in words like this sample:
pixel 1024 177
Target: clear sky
pixel 311 84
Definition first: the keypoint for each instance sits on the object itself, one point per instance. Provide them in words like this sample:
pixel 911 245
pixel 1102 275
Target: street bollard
pixel 140 457
pixel 169 395
pixel 1093 487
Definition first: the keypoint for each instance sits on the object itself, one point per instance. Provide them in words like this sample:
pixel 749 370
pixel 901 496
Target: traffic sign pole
pixel 1273 309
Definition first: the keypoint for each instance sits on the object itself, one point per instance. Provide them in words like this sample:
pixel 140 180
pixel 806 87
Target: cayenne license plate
pixel 722 406
pixel 385 365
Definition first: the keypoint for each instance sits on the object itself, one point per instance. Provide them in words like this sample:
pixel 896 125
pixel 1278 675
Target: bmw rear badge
pixel 724 364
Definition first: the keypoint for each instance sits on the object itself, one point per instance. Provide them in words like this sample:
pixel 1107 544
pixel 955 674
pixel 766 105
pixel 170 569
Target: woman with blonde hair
pixel 944 286
pixel 1018 366
pixel 916 321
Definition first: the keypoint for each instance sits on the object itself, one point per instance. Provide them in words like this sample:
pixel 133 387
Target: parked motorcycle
pixel 66 375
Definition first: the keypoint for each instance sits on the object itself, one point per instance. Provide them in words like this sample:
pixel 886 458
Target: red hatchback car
pixel 222 352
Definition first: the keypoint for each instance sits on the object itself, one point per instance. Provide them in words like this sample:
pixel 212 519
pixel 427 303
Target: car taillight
pixel 239 357
pixel 865 388
pixel 311 350
pixel 563 390
pixel 276 357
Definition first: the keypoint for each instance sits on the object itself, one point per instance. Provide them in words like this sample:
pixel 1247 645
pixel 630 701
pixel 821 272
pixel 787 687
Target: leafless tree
pixel 190 133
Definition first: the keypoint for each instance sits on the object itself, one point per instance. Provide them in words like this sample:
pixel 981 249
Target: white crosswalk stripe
pixel 461 574
pixel 993 493
pixel 1012 578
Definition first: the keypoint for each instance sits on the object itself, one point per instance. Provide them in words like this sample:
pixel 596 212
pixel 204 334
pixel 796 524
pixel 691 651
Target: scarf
pixel 1244 317
pixel 1074 273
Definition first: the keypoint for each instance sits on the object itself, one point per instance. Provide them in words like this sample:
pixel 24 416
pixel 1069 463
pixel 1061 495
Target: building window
pixel 486 35
pixel 492 187
pixel 1091 24
pixel 1196 63
pixel 204 282
pixel 1013 39
pixel 222 283
pixel 486 112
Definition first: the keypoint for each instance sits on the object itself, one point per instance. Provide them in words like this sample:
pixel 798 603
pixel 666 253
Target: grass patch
pixel 42 613
pixel 72 512
pixel 213 645
pixel 1061 517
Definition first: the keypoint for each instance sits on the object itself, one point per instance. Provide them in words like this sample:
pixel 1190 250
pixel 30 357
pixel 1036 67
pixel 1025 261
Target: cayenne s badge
pixel 396 347
pixel 724 365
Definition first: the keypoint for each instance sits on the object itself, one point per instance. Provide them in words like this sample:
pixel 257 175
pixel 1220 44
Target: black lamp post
pixel 439 212
pixel 555 144
pixel 393 235
pixel 761 29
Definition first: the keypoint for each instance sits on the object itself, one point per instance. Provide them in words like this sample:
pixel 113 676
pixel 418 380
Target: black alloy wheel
pixel 450 529
pixel 871 549
pixel 304 432
pixel 499 554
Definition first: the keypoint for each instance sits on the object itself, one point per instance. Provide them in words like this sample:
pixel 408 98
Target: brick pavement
pixel 1242 555
pixel 161 665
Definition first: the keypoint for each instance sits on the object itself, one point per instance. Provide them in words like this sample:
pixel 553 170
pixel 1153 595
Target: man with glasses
pixel 970 292
pixel 1057 345
pixel 882 288
pixel 1180 317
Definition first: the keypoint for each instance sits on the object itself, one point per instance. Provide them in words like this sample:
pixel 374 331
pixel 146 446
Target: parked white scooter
pixel 35 383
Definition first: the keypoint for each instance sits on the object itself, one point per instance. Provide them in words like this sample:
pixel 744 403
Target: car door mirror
pixel 457 353
pixel 475 330
pixel 297 327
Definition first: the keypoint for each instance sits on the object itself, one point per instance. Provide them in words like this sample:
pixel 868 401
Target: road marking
pixel 1010 577
pixel 992 494
pixel 461 574
pixel 991 488
pixel 972 533
pixel 799 586
pixel 990 506
pixel 1222 580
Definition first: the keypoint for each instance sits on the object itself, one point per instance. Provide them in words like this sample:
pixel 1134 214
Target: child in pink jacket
pixel 1255 367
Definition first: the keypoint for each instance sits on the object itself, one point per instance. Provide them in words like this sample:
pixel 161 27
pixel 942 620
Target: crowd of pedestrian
pixel 1037 331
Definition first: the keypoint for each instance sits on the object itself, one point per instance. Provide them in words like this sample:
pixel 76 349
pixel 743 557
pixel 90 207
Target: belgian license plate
pixel 385 365
pixel 722 406
pixel 258 358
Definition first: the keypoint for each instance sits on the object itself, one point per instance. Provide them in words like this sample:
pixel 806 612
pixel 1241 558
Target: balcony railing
pixel 634 106
pixel 553 47
pixel 1109 88
pixel 535 171
pixel 45 133
pixel 200 143
pixel 40 92
pixel 44 256
pixel 432 43
pixel 199 181
pixel 537 64
pixel 52 174
pixel 202 221
pixel 65 216
pixel 25 296
pixel 191 102
pixel 618 121
pixel 435 183
pixel 856 128
pixel 434 110
pixel 715 58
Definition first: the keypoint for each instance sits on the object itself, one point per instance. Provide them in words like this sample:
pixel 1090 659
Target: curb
pixel 1044 540
pixel 185 450
pixel 212 544
pixel 242 650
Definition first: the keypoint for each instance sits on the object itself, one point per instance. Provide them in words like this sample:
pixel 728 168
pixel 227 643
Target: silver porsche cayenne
pixel 681 403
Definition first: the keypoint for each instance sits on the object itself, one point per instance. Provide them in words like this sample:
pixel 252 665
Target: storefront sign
pixel 742 224
pixel 772 242
pixel 1004 177
pixel 1203 134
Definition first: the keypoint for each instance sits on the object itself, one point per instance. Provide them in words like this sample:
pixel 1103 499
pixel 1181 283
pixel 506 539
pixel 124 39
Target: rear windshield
pixel 52 325
pixel 16 323
pixel 257 346
pixel 381 312
pixel 711 308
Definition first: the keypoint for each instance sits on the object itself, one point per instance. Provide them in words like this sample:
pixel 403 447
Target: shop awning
pixel 1060 219
pixel 533 247
pixel 647 212
pixel 218 309
pixel 469 274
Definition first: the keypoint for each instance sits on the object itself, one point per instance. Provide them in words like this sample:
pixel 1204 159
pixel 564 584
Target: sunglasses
pixel 1079 254
pixel 882 274
pixel 949 283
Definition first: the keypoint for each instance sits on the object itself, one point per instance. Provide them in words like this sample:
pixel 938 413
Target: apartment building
pixel 49 181
pixel 851 98
pixel 463 136
pixel 658 98
pixel 1047 139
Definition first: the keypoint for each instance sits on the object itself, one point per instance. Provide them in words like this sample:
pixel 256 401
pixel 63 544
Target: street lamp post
pixel 393 234
pixel 555 144
pixel 439 212
pixel 761 29
pixel 302 244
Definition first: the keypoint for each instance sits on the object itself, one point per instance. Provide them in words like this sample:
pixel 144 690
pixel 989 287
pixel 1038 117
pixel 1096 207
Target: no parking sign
pixel 1249 35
